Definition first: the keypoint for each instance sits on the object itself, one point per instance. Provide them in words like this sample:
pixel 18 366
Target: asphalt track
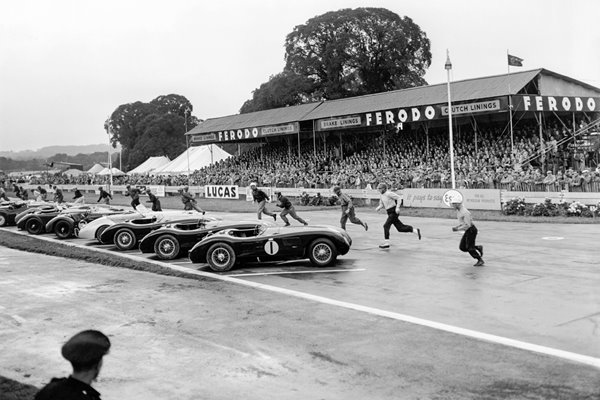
pixel 415 321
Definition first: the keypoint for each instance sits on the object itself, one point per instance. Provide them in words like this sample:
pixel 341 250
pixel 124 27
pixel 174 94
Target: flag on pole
pixel 515 61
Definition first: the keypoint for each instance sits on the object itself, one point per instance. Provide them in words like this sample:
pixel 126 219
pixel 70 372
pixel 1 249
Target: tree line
pixel 339 54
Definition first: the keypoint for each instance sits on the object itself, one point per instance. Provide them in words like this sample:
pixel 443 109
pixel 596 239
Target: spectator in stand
pixel 586 180
pixel 304 199
pixel 154 200
pixel 317 200
pixel 538 181
pixel 549 181
pixel 105 197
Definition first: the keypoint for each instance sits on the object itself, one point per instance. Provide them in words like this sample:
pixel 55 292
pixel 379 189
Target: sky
pixel 66 65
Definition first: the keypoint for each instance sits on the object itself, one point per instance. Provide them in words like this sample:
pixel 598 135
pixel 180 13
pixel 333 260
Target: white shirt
pixel 389 200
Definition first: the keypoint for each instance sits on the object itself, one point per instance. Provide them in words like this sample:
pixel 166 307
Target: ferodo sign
pixel 431 112
pixel 233 135
pixel 221 192
pixel 555 103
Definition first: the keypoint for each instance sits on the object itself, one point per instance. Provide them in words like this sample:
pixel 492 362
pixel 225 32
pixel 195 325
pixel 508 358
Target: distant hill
pixel 50 151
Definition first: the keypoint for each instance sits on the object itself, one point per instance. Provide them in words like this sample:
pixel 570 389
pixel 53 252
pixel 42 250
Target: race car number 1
pixel 271 247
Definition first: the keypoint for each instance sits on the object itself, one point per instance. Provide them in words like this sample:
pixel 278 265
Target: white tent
pixel 199 157
pixel 115 172
pixel 95 169
pixel 73 172
pixel 150 165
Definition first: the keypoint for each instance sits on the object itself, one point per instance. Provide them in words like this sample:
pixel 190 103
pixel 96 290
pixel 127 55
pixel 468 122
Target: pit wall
pixel 475 199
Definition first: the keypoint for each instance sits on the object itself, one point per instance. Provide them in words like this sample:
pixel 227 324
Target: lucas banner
pixel 221 192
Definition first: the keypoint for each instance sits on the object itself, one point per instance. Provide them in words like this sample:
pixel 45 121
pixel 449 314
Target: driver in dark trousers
pixel 261 198
pixel 288 208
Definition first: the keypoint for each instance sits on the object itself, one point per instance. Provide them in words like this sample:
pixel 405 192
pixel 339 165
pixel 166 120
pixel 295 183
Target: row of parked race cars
pixel 174 234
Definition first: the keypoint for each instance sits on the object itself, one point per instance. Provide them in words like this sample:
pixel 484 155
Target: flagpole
pixel 109 157
pixel 187 145
pixel 448 67
pixel 512 141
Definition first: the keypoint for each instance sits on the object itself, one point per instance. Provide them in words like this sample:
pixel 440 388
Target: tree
pixel 151 129
pixel 361 51
pixel 283 89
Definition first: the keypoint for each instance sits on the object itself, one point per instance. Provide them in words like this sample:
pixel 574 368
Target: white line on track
pixel 319 271
pixel 566 355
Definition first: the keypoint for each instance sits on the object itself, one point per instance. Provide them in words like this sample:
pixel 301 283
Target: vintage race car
pixel 34 220
pixel 9 211
pixel 176 239
pixel 321 244
pixel 93 230
pixel 68 224
pixel 126 235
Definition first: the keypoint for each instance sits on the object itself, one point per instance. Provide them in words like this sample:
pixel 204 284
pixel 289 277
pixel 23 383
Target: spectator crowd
pixel 412 159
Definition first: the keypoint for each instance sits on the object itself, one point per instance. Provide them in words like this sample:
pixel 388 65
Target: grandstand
pixel 533 131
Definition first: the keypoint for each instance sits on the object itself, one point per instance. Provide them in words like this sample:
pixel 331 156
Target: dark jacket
pixel 284 202
pixel 103 195
pixel 67 389
pixel 258 195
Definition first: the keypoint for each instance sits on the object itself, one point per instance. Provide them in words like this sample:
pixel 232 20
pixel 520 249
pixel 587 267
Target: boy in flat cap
pixel 84 351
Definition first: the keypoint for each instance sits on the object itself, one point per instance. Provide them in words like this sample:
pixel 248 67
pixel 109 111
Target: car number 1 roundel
pixel 271 247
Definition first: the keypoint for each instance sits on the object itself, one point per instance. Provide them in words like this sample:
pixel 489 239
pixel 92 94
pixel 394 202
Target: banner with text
pixel 400 116
pixel 221 192
pixel 555 103
pixel 476 199
pixel 235 135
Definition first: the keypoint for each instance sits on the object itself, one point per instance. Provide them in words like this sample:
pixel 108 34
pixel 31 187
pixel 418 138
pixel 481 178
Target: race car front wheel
pixel 99 232
pixel 34 226
pixel 166 247
pixel 62 229
pixel 220 257
pixel 125 239
pixel 322 252
pixel 2 220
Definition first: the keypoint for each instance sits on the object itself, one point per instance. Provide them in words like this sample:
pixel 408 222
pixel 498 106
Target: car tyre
pixel 99 232
pixel 2 219
pixel 220 257
pixel 322 252
pixel 125 239
pixel 34 226
pixel 62 229
pixel 167 247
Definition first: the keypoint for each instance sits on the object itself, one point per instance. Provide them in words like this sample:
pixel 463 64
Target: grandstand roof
pixel 549 83
pixel 469 89
pixel 260 118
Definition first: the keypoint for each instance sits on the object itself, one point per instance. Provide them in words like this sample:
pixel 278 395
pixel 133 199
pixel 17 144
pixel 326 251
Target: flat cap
pixel 86 347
